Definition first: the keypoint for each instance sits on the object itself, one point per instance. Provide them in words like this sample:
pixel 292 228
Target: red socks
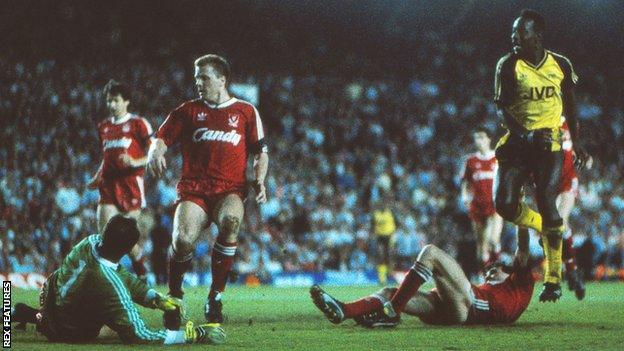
pixel 569 255
pixel 222 260
pixel 417 275
pixel 176 273
pixel 362 306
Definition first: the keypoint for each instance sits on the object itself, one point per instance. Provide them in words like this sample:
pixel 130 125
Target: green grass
pixel 267 318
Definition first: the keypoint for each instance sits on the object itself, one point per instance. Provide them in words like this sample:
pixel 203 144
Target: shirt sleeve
pixel 255 134
pixel 467 174
pixel 139 291
pixel 144 131
pixel 122 316
pixel 504 81
pixel 569 76
pixel 171 129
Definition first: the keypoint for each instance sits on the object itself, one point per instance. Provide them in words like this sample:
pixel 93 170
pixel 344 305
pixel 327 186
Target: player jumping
pixel 533 88
pixel 91 290
pixel 477 189
pixel 502 299
pixel 217 132
pixel 124 139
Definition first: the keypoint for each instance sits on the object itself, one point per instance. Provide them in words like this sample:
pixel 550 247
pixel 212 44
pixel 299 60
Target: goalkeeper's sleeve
pixel 121 315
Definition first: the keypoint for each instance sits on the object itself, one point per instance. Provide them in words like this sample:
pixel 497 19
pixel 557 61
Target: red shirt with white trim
pixel 479 172
pixel 216 141
pixel 130 135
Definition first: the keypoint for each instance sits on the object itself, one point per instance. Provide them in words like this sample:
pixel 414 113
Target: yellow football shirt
pixel 383 222
pixel 533 94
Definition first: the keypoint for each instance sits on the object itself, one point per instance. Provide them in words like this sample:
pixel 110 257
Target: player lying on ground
pixel 124 139
pixel 502 299
pixel 91 290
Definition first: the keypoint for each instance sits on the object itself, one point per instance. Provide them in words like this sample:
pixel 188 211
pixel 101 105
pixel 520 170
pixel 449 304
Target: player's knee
pixel 229 225
pixel 428 254
pixel 182 245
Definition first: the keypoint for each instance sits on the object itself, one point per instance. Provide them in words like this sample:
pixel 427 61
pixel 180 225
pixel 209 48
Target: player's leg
pixel 228 214
pixel 494 227
pixel 565 204
pixel 511 177
pixel 136 254
pixel 453 287
pixel 547 183
pixel 104 213
pixel 479 228
pixel 383 254
pixel 189 220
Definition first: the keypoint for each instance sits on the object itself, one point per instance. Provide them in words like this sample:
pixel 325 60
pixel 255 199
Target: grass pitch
pixel 268 318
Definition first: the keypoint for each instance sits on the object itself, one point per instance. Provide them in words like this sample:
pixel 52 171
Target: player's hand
pixel 156 162
pixel 211 333
pixel 582 160
pixel 168 303
pixel 260 192
pixel 127 160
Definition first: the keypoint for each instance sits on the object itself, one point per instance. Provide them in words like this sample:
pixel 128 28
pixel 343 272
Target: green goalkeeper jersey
pixel 91 292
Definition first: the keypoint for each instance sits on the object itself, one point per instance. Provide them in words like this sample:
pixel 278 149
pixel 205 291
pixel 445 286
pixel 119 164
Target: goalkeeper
pixel 91 290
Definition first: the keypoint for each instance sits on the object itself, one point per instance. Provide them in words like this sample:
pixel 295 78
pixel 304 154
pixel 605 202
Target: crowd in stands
pixel 337 144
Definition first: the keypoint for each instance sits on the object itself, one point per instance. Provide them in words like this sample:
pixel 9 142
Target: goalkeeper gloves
pixel 211 333
pixel 167 303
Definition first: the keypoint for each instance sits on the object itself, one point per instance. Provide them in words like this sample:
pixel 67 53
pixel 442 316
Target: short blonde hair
pixel 217 62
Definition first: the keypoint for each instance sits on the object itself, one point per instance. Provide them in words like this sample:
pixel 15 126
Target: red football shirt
pixel 479 172
pixel 215 140
pixel 128 135
pixel 568 156
pixel 503 302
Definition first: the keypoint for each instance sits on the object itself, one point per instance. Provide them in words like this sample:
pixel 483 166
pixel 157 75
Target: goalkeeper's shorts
pixel 53 326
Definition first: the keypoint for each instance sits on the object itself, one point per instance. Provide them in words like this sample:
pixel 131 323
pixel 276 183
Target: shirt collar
pixel 102 260
pixel 221 105
pixel 487 156
pixel 123 119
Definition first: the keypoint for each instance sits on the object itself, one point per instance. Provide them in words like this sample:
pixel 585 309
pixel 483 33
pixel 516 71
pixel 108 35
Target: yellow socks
pixel 382 274
pixel 528 218
pixel 552 239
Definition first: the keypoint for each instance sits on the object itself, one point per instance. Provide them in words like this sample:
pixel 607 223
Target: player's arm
pixel 144 296
pixel 504 90
pixel 144 134
pixel 465 193
pixel 258 148
pixel 94 183
pixel 569 110
pixel 261 166
pixel 168 134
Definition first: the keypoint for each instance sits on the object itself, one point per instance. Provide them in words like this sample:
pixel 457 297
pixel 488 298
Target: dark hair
pixel 115 88
pixel 120 235
pixel 539 24
pixel 217 62
pixel 482 129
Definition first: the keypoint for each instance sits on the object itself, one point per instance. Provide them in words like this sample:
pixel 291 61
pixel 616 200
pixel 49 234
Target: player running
pixel 477 188
pixel 124 139
pixel 533 88
pixel 217 132
pixel 502 299
pixel 91 290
